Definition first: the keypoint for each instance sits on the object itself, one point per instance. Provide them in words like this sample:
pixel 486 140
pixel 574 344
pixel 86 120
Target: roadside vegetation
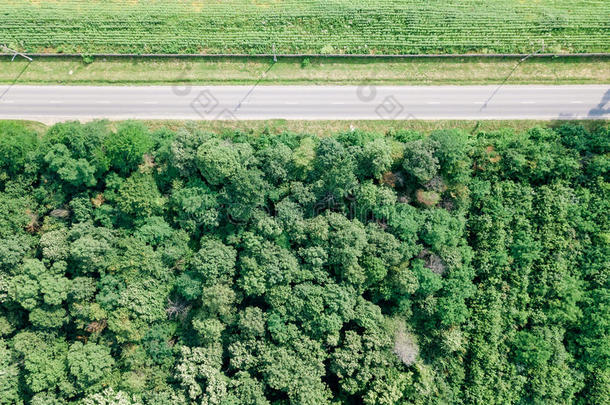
pixel 182 266
pixel 305 71
pixel 297 26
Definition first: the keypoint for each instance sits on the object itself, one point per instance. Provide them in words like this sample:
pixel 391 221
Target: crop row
pixel 339 26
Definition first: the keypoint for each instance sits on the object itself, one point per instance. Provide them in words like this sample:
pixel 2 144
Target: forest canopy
pixel 144 266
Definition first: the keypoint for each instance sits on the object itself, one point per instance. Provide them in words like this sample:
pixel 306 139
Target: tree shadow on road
pixel 602 108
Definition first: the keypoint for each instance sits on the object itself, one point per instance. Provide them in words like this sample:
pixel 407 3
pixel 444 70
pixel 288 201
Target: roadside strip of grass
pixel 313 71
pixel 324 128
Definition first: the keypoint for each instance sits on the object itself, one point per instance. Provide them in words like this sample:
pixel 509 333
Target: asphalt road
pixel 58 103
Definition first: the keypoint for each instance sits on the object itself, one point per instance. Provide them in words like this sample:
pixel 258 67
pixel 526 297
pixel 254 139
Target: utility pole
pixel 274 55
pixel 15 53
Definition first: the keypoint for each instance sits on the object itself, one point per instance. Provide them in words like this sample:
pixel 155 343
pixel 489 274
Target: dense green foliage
pixel 306 26
pixel 142 267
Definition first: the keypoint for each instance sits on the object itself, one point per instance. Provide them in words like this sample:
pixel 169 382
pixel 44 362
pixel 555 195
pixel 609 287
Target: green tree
pixel 44 361
pixel 420 161
pixel 376 158
pixel 9 378
pixel 219 160
pixel 15 143
pixel 195 206
pixel 89 364
pixel 125 148
pixel 214 262
pixel 139 196
pixel 75 172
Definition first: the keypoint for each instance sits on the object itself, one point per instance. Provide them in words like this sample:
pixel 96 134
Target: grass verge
pixel 322 128
pixel 314 71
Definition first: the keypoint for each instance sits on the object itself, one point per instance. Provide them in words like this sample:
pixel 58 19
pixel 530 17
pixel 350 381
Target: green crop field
pixel 332 26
